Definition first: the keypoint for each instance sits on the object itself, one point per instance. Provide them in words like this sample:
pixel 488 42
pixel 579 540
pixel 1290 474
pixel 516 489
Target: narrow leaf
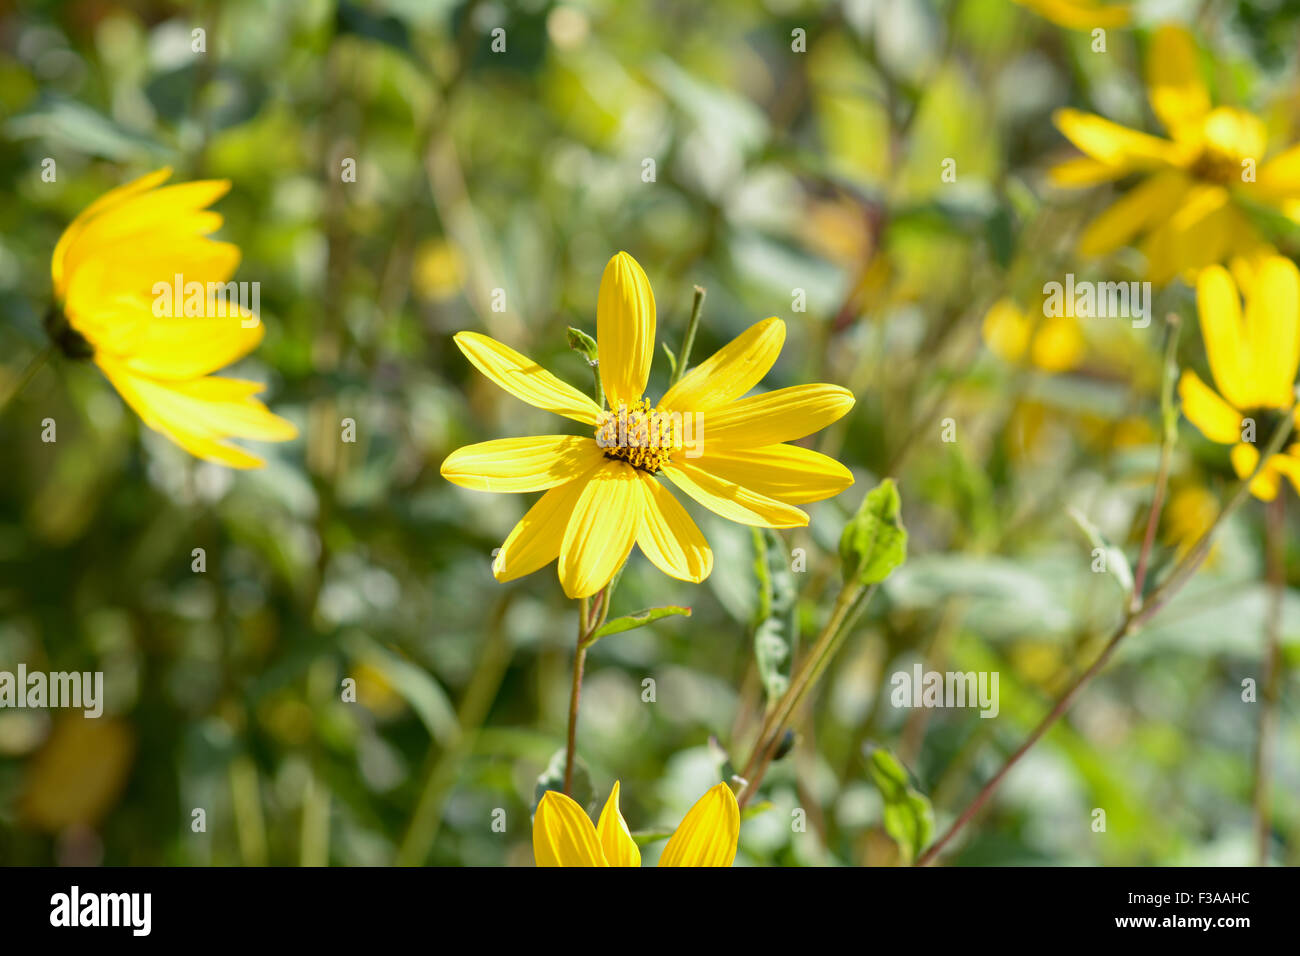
pixel 637 619
pixel 775 635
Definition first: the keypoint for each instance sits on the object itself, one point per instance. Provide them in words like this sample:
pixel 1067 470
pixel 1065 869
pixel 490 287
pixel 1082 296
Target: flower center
pixel 642 436
pixel 1215 166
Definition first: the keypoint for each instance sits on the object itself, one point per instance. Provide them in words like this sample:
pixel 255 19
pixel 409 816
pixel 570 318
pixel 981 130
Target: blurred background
pixel 788 156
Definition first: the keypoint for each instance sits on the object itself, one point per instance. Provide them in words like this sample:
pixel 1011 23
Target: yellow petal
pixel 1058 344
pixel 708 834
pixel 786 472
pixel 525 379
pixel 200 414
pixel 1217 420
pixel 173 348
pixel 1083 171
pixel 563 834
pixel 1235 133
pixel 732 501
pixel 1288 463
pixel 669 537
pixel 775 417
pixel 1178 95
pixel 1144 205
pixel 1280 176
pixel 731 371
pixel 599 535
pixel 521 464
pixel 1006 330
pixel 113 197
pixel 151 219
pixel 1114 145
pixel 615 840
pixel 1207 229
pixel 535 540
pixel 625 330
pixel 1273 332
pixel 1221 328
pixel 1078 14
pixel 1265 485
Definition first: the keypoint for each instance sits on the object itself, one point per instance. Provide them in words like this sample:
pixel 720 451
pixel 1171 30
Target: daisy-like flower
pixel 1253 361
pixel 604 493
pixel 563 834
pixel 105 269
pixel 1189 207
pixel 1081 14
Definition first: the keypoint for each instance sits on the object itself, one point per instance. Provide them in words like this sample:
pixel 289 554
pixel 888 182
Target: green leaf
pixel 552 778
pixel 909 819
pixel 775 635
pixel 637 619
pixel 416 685
pixel 874 541
pixel 1116 563
pixel 584 345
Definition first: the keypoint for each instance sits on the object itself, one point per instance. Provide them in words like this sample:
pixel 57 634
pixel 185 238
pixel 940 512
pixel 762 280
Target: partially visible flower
pixel 1189 207
pixel 1081 14
pixel 1053 344
pixel 1191 511
pixel 1253 360
pixel 105 268
pixel 604 493
pixel 563 834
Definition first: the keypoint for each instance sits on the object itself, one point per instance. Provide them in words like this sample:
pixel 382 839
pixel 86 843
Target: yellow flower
pixel 1253 360
pixel 1080 14
pixel 603 494
pixel 563 834
pixel 1055 345
pixel 1190 513
pixel 109 268
pixel 1189 206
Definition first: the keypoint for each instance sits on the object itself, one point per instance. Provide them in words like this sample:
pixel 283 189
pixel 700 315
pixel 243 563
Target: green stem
pixel 848 606
pixel 1132 621
pixel 684 356
pixel 35 365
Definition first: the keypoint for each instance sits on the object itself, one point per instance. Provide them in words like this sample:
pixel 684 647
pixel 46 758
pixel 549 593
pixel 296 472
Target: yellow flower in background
pixel 563 834
pixel 106 267
pixel 1253 360
pixel 1188 208
pixel 603 493
pixel 1081 14
pixel 1190 513
pixel 1054 344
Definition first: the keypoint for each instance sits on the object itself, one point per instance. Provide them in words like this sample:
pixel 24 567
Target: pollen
pixel 640 435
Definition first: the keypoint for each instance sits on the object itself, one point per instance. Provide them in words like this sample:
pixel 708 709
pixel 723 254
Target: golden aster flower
pixel 1055 344
pixel 604 493
pixel 1189 206
pixel 1253 360
pixel 1081 14
pixel 105 268
pixel 563 834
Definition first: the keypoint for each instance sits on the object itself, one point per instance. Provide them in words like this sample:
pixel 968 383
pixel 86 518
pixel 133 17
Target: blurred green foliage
pixel 780 177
